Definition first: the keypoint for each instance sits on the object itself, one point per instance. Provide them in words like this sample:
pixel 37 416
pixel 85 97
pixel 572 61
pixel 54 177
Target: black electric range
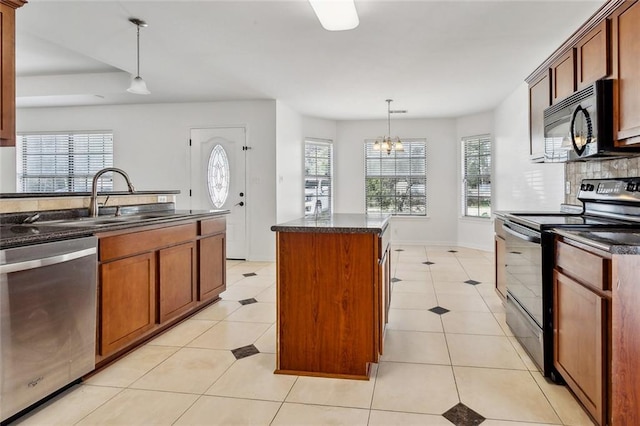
pixel 529 259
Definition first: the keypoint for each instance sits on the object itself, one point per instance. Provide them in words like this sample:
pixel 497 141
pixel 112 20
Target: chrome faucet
pixel 93 203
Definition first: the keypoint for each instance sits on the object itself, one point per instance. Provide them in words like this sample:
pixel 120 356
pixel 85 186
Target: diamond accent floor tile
pixel 249 274
pixel 245 351
pixel 452 251
pixel 395 280
pixel 515 252
pixel 461 415
pixel 472 282
pixel 428 263
pixel 399 249
pixel 247 301
pixel 439 310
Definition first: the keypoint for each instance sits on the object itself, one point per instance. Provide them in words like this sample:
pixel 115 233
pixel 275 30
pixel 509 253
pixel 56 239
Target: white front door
pixel 218 180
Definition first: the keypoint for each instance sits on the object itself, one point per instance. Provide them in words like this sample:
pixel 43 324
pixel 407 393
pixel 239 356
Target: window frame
pixel 71 159
pixel 481 195
pixel 309 207
pixel 415 192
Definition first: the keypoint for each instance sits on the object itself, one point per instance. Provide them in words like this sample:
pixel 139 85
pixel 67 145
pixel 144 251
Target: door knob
pixel 242 194
pixel 241 203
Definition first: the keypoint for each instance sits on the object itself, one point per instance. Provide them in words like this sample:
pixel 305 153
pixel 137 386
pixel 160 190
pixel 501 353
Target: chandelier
pixel 388 143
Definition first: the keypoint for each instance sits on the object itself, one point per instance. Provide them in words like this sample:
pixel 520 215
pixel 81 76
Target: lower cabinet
pixel 582 326
pixel 127 303
pixel 152 277
pixel 177 280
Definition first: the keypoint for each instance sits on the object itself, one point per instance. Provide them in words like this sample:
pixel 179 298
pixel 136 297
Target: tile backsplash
pixel 574 172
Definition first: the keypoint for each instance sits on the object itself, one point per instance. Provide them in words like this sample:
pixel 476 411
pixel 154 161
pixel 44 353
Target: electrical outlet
pixel 162 198
pixel 567 187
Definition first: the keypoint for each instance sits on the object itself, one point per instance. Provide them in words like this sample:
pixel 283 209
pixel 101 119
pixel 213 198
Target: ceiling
pixel 434 58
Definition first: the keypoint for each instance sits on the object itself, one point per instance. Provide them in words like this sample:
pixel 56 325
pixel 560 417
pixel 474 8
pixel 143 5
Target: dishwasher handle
pixel 46 261
pixel 531 238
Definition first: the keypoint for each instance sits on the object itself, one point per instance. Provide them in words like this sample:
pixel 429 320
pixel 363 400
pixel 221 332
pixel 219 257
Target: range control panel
pixel 611 190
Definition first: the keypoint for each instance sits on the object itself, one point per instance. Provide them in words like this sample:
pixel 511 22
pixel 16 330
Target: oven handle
pixel 530 238
pixel 47 261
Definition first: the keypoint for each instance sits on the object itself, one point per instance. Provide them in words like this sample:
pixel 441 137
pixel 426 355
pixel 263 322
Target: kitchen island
pixel 333 277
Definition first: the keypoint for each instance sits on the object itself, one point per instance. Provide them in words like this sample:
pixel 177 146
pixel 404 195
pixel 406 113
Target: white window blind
pixel 63 162
pixel 318 177
pixel 476 179
pixel 396 183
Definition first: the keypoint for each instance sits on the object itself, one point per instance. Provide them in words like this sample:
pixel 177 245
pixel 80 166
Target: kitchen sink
pixel 108 220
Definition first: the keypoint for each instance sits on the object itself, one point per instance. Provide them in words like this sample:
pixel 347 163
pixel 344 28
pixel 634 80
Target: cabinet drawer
pixel 142 241
pixel 212 226
pixel 587 267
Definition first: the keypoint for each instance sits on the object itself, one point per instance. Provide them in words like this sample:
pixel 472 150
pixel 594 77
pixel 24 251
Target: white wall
pixel 442 192
pixel 518 183
pixel 289 166
pixel 151 144
pixel 473 232
pixel 7 169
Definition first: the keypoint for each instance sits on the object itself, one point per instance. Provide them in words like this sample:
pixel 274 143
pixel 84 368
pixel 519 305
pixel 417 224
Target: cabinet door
pixel 539 99
pixel 7 86
pixel 593 55
pixel 177 280
pixel 580 338
pixel 127 301
pixel 501 270
pixel 211 260
pixel 625 353
pixel 626 71
pixel 563 77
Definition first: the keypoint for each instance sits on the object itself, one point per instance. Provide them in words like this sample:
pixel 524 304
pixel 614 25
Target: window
pixel 318 180
pixel 63 162
pixel 396 183
pixel 476 179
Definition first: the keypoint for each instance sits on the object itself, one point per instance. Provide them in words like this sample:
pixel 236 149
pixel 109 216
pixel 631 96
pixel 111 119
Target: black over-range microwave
pixel 580 127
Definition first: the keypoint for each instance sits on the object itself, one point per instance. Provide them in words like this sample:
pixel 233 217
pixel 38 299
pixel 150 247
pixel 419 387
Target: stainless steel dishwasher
pixel 47 319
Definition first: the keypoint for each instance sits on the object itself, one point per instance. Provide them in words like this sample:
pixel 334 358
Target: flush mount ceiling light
pixel 388 143
pixel 336 15
pixel 138 86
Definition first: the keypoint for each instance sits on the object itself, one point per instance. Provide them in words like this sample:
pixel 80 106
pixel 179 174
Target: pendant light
pixel 388 143
pixel 336 15
pixel 138 86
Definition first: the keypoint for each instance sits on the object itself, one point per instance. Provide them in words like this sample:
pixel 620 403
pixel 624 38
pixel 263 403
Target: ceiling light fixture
pixel 138 86
pixel 388 143
pixel 336 15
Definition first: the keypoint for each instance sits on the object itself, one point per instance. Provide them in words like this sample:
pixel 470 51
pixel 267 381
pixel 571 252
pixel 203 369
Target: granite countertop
pixel 614 241
pixel 337 223
pixel 74 223
pixel 82 194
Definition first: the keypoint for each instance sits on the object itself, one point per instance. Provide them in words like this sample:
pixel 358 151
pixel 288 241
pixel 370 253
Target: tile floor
pixel 456 364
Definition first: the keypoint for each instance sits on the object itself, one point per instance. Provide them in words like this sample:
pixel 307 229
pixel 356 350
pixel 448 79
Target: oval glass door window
pixel 218 176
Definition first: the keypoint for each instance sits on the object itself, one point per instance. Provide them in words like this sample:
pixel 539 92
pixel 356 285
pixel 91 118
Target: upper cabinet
pixel 593 56
pixel 563 76
pixel 8 74
pixel 539 99
pixel 626 72
pixel 606 46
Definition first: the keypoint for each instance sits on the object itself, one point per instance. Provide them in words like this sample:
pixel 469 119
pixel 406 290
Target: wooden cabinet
pixel 500 250
pixel 582 328
pixel 177 280
pixel 211 259
pixel 127 301
pixel 8 74
pixel 539 99
pixel 563 76
pixel 626 72
pixel 153 276
pixel 593 56
pixel 333 295
pixel 625 354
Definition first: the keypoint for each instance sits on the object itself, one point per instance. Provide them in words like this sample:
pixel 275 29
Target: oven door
pixel 524 307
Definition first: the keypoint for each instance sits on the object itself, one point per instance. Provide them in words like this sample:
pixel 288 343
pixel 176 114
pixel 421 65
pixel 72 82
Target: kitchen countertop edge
pixel 342 223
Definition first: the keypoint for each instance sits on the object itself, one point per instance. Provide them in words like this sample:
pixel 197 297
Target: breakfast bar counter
pixel 332 294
